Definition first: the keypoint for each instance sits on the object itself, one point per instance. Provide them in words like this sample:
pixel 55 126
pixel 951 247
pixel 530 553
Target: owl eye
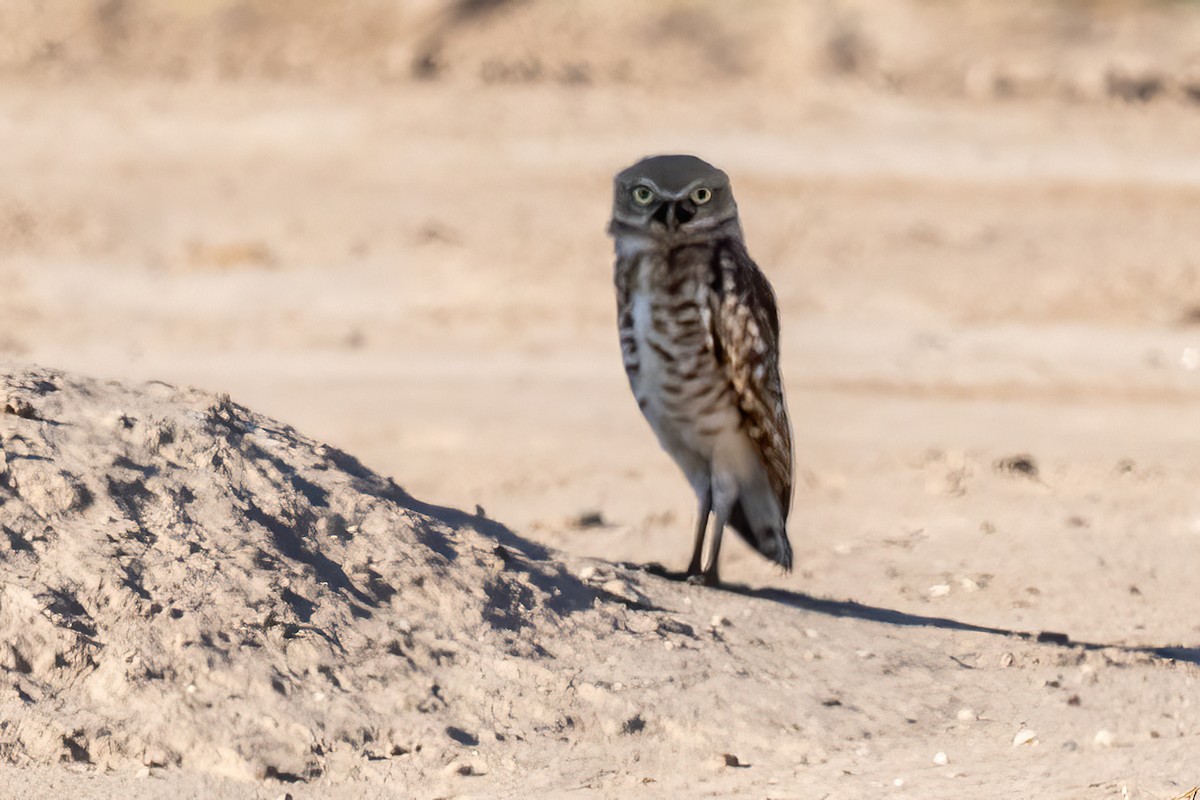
pixel 701 196
pixel 642 195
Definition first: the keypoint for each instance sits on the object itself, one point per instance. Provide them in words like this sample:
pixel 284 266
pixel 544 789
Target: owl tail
pixel 771 540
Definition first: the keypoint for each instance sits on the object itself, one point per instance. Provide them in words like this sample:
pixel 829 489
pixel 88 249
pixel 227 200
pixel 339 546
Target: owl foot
pixel 705 579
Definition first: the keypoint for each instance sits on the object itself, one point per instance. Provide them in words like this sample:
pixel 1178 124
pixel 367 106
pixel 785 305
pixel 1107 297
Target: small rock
pixel 464 768
pixel 968 584
pixel 1020 464
pixel 21 408
pixel 155 757
pixel 939 590
pixel 718 621
pixel 1007 660
pixel 941 759
pixel 966 715
pixel 619 588
pixel 1024 736
pixel 810 633
pixel 143 772
pixel 587 573
pixel 1104 738
pixel 590 519
pixel 1053 637
pixel 898 782
pixel 45 488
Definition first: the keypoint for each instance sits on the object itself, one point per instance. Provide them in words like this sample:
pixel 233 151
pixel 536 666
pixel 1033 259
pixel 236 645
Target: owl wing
pixel 745 331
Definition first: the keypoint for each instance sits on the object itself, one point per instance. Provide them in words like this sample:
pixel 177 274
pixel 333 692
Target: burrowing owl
pixel 700 340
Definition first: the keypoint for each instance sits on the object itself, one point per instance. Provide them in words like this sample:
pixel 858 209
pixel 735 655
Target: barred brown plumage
pixel 699 333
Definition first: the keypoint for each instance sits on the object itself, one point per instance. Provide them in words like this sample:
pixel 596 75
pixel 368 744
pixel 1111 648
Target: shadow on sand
pixel 890 616
pixel 570 594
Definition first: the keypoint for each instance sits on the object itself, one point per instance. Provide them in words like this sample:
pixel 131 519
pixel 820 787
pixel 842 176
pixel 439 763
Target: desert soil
pixel 989 280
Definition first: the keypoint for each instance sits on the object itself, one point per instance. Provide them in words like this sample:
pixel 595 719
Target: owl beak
pixel 674 214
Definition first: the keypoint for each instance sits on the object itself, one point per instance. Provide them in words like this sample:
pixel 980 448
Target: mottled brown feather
pixel 745 330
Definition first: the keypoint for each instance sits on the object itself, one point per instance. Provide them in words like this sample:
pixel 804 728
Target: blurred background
pixel 383 223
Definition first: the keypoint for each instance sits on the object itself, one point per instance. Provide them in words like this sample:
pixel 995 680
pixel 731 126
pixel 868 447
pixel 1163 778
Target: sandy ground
pixel 416 272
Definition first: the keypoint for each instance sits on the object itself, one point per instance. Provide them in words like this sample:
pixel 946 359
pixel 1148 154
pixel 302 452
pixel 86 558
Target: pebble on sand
pixel 465 768
pixel 1024 736
pixel 724 761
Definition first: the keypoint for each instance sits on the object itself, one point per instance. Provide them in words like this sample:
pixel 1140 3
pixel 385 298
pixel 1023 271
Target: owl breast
pixel 679 384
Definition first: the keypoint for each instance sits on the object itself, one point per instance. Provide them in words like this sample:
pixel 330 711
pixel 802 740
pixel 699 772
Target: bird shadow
pixel 568 594
pixel 890 616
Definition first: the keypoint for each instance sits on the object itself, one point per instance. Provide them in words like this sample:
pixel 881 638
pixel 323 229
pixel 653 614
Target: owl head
pixel 673 198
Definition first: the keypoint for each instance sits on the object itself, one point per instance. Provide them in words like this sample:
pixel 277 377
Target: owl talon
pixel 709 579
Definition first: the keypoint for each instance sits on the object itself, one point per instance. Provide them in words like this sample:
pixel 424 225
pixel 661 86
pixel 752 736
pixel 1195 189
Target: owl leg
pixel 701 525
pixel 710 576
pixel 725 489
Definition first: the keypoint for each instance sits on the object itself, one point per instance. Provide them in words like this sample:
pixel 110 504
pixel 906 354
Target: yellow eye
pixel 642 195
pixel 701 196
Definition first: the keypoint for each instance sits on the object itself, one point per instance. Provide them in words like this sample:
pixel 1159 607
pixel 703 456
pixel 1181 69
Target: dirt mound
pixel 188 583
pixel 189 590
